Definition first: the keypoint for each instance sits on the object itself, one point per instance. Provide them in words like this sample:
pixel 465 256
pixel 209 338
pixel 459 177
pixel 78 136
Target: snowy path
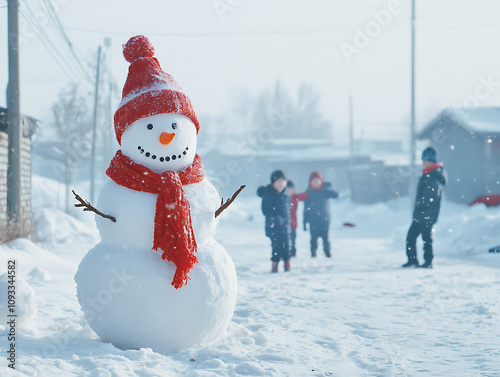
pixel 358 314
pixel 361 314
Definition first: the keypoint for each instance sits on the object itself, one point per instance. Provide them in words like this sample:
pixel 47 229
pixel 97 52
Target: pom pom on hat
pixel 138 47
pixel 148 90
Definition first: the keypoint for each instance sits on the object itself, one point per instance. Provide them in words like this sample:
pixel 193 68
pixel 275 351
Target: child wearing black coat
pixel 276 209
pixel 317 211
pixel 426 211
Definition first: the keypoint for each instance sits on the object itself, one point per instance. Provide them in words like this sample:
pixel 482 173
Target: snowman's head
pixel 162 142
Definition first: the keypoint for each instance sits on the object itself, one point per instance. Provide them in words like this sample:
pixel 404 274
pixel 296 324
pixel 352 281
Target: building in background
pixel 29 126
pixel 386 174
pixel 233 166
pixel 468 143
pixel 377 173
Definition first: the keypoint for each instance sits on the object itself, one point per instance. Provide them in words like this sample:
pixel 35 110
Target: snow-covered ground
pixel 358 314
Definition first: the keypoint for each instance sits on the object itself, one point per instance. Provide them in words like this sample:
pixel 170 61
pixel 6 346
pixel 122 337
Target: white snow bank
pixel 467 233
pixel 48 193
pixel 23 303
pixel 39 275
pixel 53 225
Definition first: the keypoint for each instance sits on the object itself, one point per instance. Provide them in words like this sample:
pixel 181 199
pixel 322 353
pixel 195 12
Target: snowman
pixel 158 279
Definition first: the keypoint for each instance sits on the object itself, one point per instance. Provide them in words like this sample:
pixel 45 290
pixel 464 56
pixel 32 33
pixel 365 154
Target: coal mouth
pixel 163 158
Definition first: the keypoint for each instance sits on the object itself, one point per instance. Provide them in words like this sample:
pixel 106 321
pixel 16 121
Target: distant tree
pixel 273 114
pixel 274 110
pixel 73 125
pixel 300 119
pixel 309 121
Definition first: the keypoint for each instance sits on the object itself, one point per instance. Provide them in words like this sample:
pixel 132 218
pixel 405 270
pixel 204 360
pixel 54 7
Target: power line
pixel 56 55
pixel 57 22
pixel 60 59
pixel 243 33
pixel 63 54
pixel 65 42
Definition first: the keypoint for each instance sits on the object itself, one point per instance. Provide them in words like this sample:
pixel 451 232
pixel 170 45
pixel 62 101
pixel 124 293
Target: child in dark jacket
pixel 294 202
pixel 426 211
pixel 317 212
pixel 276 209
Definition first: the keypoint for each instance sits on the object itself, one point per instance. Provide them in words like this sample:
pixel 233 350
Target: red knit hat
pixel 148 90
pixel 316 174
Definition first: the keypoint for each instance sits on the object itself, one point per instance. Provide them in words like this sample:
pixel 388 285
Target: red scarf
pixel 432 167
pixel 173 227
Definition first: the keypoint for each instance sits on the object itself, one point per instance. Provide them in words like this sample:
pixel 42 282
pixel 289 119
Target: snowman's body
pixel 124 287
pixel 135 212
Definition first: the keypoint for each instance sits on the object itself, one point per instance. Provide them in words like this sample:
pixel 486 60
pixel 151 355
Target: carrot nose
pixel 166 138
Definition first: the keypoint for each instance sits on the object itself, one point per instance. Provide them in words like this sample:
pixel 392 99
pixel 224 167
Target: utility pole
pixel 412 124
pixel 14 122
pixel 94 130
pixel 351 130
pixel 108 145
pixel 412 120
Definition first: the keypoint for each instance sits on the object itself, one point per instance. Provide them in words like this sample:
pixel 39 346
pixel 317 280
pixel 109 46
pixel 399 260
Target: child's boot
pixel 274 268
pixel 326 248
pixel 287 265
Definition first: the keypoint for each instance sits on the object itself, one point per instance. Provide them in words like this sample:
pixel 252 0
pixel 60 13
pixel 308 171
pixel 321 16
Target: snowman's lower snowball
pixel 128 300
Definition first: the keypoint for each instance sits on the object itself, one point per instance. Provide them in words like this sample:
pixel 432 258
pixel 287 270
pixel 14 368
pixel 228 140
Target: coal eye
pixel 150 126
pixel 174 126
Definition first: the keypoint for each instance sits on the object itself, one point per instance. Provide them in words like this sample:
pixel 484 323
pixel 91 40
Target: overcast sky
pixel 250 44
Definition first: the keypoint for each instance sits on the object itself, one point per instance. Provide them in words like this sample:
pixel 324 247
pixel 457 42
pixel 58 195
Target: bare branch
pixel 223 205
pixel 89 207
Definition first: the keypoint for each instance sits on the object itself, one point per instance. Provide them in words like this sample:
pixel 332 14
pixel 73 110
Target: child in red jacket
pixel 294 201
